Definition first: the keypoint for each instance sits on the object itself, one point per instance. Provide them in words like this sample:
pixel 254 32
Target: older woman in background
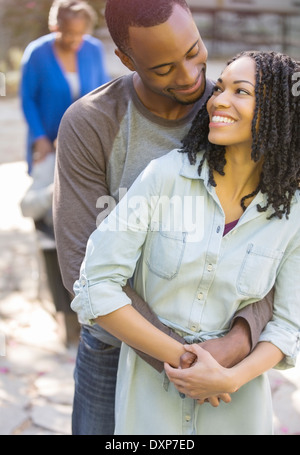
pixel 57 69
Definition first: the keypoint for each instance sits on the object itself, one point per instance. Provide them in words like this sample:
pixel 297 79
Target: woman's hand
pixel 205 380
pixel 41 148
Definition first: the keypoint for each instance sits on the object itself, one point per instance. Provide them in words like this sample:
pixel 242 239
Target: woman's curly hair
pixel 275 132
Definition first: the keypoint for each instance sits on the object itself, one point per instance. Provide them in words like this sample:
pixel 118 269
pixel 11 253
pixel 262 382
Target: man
pixel 105 140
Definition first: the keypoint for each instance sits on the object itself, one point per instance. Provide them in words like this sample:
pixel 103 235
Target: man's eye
pixel 194 53
pixel 165 73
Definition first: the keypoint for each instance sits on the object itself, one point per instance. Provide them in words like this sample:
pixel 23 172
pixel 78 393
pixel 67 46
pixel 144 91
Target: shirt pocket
pixel 164 251
pixel 258 271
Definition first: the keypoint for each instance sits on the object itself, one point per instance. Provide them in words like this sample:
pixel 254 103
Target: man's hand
pixel 228 350
pixel 232 348
pixel 205 380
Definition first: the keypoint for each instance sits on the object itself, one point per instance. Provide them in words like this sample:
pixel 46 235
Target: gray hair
pixel 62 10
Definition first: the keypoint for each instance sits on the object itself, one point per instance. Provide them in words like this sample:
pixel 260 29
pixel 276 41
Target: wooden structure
pixel 282 10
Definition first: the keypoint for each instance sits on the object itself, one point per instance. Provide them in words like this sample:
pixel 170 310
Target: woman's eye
pixel 242 91
pixel 216 89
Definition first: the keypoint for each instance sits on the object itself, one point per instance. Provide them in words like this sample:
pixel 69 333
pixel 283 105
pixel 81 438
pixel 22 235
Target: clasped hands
pixel 199 376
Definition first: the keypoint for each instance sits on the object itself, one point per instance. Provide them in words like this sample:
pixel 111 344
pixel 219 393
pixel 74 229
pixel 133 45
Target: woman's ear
pixel 125 60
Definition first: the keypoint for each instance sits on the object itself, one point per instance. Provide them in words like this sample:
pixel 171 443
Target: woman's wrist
pixel 231 380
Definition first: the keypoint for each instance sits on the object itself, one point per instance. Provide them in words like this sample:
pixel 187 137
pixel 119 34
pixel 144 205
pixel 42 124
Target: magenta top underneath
pixel 229 226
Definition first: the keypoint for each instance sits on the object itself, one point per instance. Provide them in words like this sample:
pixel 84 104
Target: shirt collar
pixel 190 171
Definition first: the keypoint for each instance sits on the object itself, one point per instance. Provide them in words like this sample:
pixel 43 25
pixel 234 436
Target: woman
pixel 57 69
pixel 206 230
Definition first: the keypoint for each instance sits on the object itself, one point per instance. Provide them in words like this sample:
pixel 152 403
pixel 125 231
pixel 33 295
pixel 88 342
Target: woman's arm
pixel 133 329
pixel 29 91
pixel 208 378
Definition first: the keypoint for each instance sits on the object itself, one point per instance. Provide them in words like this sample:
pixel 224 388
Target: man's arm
pixel 257 316
pixel 229 350
pixel 207 378
pixel 245 330
pixel 244 333
pixel 79 181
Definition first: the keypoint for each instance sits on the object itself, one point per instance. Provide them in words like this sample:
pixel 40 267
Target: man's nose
pixel 187 74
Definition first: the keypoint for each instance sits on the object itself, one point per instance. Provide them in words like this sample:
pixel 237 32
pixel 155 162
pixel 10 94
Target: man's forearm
pixel 233 347
pixel 246 327
pixel 229 350
pixel 256 315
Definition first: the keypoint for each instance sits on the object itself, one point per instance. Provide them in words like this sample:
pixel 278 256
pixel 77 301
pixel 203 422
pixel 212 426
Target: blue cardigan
pixel 44 90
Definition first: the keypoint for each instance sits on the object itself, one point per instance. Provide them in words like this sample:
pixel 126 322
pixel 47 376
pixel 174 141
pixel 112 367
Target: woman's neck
pixel 242 177
pixel 66 57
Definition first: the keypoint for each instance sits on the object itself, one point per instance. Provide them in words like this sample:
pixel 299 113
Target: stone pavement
pixel 36 369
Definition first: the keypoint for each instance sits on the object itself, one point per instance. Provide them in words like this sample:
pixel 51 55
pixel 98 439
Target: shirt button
pixel 187 418
pixel 193 328
pixel 218 229
pixel 200 296
pixel 83 282
pixel 209 267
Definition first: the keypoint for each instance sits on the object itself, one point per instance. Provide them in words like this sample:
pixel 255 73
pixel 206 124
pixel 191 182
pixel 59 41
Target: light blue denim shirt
pixel 167 232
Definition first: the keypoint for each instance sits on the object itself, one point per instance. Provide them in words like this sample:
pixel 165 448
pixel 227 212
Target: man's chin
pixel 188 101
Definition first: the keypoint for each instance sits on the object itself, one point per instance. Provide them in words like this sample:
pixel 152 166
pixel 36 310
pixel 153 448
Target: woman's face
pixel 231 107
pixel 70 33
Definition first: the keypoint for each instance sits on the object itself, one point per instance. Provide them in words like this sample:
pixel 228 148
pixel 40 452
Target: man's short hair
pixel 122 14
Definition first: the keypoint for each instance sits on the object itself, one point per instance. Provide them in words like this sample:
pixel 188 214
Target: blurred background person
pixel 57 69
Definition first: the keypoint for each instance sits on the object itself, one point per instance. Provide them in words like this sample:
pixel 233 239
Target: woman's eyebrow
pixel 247 82
pixel 237 82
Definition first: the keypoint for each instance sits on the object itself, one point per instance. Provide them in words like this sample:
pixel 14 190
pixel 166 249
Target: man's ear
pixel 125 59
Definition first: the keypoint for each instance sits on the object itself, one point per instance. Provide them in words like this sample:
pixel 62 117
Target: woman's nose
pixel 223 99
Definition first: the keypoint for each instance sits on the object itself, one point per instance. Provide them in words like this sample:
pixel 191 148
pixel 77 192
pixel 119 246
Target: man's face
pixel 170 58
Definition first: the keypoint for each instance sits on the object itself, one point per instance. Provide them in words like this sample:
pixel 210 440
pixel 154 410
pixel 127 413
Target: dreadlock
pixel 275 132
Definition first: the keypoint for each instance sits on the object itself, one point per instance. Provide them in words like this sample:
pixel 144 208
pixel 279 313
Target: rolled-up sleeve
pixel 112 253
pixel 284 329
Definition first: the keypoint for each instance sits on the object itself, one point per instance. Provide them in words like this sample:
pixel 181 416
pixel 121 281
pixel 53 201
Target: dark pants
pixel 95 382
